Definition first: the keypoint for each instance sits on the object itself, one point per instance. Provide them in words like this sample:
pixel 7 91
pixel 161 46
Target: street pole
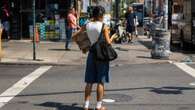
pixel 34 30
pixel 117 8
pixel 90 2
pixel 166 15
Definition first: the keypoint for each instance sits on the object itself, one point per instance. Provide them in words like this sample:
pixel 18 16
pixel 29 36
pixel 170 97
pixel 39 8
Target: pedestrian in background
pixel 40 18
pixel 97 72
pixel 131 21
pixel 5 20
pixel 71 27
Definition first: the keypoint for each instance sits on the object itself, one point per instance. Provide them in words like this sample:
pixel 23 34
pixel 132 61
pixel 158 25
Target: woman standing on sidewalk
pixel 96 71
pixel 71 27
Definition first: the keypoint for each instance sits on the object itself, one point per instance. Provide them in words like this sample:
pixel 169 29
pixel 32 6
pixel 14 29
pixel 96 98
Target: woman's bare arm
pixel 106 33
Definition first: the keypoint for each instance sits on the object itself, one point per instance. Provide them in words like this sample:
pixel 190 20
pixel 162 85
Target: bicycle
pixel 122 36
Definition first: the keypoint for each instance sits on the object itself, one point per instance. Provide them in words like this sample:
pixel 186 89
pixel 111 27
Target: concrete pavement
pixel 133 87
pixel 21 52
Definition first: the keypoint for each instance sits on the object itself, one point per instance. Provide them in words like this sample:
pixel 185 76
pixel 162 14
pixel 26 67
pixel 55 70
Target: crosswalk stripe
pixel 186 68
pixel 18 87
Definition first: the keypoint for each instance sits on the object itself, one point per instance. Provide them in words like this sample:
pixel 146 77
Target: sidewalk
pixel 21 52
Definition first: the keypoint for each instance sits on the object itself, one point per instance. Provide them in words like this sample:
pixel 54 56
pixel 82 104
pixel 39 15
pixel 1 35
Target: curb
pixel 63 64
pixel 39 64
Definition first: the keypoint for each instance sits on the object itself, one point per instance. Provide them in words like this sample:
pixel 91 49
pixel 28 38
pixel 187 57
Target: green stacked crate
pixel 50 33
pixel 42 31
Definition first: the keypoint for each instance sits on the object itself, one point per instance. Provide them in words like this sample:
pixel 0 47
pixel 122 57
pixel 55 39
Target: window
pixel 40 4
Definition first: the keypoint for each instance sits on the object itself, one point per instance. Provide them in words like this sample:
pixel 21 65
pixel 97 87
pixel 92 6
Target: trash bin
pixel 160 44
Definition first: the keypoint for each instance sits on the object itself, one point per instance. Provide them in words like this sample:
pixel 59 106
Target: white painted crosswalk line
pixel 186 68
pixel 21 85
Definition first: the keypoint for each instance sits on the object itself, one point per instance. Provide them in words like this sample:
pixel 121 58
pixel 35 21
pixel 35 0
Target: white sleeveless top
pixel 94 30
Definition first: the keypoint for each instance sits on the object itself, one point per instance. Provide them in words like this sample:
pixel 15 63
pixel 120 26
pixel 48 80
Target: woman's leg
pixel 88 89
pixel 130 36
pixel 100 94
pixel 100 91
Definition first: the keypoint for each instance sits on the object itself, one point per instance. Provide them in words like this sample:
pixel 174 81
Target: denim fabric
pixel 69 32
pixel 6 26
pixel 96 71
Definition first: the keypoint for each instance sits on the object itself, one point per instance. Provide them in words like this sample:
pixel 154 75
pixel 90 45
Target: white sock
pixel 86 104
pixel 99 104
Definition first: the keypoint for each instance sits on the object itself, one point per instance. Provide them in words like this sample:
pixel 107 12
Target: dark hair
pixel 98 11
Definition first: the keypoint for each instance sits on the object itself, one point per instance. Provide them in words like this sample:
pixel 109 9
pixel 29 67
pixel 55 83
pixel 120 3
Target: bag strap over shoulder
pixel 101 31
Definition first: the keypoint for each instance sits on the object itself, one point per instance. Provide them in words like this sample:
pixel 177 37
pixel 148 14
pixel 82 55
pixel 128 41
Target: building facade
pixel 22 13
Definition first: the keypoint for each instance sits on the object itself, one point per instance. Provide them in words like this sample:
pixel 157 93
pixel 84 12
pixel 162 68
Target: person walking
pixel 97 72
pixel 71 27
pixel 5 17
pixel 131 21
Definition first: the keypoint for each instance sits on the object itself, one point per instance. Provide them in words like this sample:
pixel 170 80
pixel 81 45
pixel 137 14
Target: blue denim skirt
pixel 96 71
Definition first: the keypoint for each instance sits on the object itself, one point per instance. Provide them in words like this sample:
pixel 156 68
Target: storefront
pixel 183 23
pixel 50 18
pixel 88 5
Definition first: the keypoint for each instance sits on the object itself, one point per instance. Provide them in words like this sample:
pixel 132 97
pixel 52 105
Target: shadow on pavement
pixel 161 90
pixel 147 44
pixel 57 49
pixel 62 50
pixel 145 57
pixel 60 106
pixel 50 93
pixel 171 90
pixel 190 49
pixel 26 59
pixel 121 49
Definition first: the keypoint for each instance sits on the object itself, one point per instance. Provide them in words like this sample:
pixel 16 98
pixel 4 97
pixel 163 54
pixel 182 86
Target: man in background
pixel 130 19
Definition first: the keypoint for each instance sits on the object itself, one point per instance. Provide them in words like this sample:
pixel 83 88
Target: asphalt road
pixel 133 87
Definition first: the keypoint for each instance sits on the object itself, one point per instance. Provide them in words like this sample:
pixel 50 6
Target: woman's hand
pixel 106 33
pixel 114 36
pixel 78 27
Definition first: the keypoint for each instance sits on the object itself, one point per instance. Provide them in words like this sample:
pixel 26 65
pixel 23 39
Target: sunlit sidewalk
pixel 21 52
